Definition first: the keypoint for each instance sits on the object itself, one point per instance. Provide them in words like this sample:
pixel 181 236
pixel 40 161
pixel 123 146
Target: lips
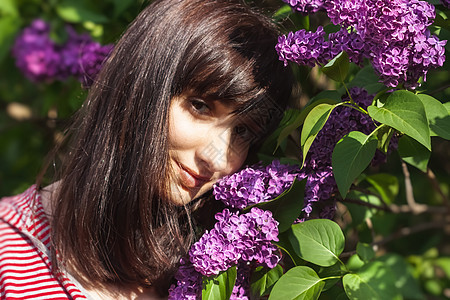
pixel 190 179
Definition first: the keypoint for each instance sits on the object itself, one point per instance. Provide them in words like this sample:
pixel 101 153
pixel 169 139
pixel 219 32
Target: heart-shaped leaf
pixel 314 122
pixel 351 156
pixel 405 112
pixel 319 241
pixel 298 283
pixel 373 281
pixel 413 153
pixel 263 280
pixel 337 68
pixel 219 287
pixel 437 115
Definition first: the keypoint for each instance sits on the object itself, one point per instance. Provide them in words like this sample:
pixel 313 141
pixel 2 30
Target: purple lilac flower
pixel 189 283
pixel 255 184
pixel 446 3
pixel 306 7
pixel 36 54
pixel 241 289
pixel 393 34
pixel 91 60
pixel 40 59
pixel 320 184
pixel 303 47
pixel 236 237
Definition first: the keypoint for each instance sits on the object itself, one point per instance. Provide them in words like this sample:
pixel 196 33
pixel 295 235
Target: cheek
pixel 238 160
pixel 180 130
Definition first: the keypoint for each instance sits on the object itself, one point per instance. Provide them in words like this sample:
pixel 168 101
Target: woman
pixel 189 89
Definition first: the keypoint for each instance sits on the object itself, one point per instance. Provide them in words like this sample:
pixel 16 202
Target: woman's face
pixel 206 142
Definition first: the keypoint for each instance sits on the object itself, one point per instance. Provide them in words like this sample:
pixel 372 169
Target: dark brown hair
pixel 111 218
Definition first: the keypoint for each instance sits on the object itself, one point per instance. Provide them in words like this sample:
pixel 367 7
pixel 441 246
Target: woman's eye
pixel 200 106
pixel 241 130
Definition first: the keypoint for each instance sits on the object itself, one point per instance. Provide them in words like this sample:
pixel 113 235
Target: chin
pixel 182 196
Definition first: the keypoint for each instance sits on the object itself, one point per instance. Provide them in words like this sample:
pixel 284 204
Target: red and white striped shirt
pixel 25 266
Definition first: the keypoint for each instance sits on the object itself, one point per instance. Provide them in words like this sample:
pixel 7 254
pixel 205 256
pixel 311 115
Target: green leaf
pixel 219 287
pixel 263 280
pixel 365 251
pixel 374 281
pixel 332 95
pixel 120 6
pixel 9 26
pixel 314 122
pixel 319 241
pixel 444 264
pixel 367 79
pixel 8 7
pixel 270 146
pixel 384 134
pixel 437 115
pixel 298 283
pixel 404 111
pixel 330 275
pixel 354 263
pixel 77 12
pixel 404 279
pixel 351 156
pixel 337 68
pixel 413 153
pixel 358 212
pixel 447 106
pixel 300 118
pixel 284 244
pixel 286 207
pixel 386 185
pixel 282 13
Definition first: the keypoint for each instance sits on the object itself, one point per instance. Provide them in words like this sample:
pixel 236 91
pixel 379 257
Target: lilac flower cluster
pixel 189 283
pixel 320 184
pixel 241 289
pixel 42 60
pixel 393 34
pixel 236 238
pixel 255 184
pixel 306 7
pixel 302 47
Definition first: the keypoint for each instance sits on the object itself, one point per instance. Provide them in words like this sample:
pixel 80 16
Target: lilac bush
pixel 393 35
pixel 320 183
pixel 42 60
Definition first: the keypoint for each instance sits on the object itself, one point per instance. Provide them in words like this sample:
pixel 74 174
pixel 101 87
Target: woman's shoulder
pixel 15 210
pixel 25 263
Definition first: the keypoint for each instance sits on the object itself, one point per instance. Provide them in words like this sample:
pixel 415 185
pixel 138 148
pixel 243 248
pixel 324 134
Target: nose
pixel 218 152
